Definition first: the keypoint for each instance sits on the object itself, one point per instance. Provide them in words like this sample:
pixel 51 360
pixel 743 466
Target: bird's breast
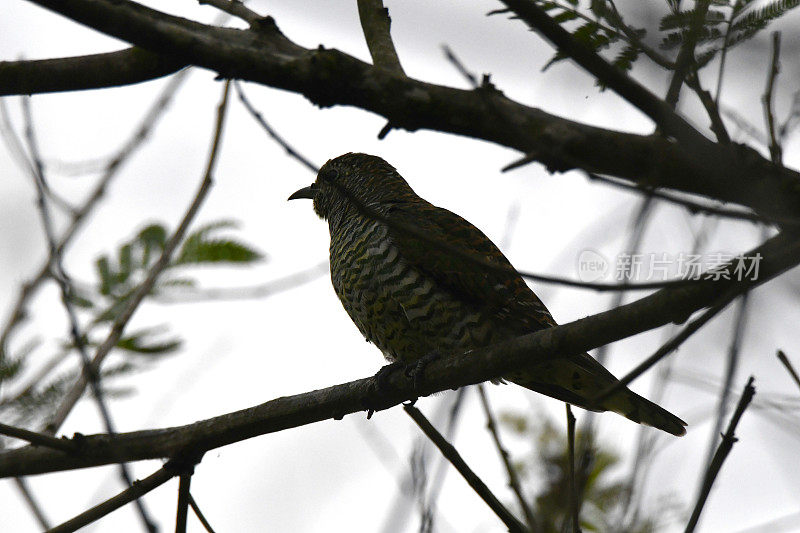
pixel 395 305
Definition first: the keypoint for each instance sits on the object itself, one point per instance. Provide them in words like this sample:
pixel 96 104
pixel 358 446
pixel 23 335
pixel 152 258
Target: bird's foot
pixel 372 402
pixel 416 370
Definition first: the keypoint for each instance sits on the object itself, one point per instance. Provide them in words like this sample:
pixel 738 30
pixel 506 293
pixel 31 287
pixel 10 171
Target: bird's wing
pixel 440 243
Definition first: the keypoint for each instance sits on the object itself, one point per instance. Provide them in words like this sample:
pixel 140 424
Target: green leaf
pixel 216 251
pixel 153 239
pixel 143 343
pixel 104 273
pixel 685 19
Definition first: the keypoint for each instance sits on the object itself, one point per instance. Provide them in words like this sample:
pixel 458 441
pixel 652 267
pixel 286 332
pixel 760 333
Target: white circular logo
pixel 592 266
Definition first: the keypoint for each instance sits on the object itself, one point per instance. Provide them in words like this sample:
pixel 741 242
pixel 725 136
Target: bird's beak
pixel 305 192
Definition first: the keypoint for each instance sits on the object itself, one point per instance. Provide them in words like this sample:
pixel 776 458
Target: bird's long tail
pixel 576 380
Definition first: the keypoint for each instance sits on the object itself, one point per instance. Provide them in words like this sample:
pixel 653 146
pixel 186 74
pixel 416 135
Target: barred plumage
pixel 398 267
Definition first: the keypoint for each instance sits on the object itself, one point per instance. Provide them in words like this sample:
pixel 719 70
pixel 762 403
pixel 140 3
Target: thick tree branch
pixel 124 67
pixel 667 305
pixel 329 77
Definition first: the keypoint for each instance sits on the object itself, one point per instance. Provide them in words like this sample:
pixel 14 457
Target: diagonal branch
pixel 477 484
pixel 725 447
pixel 513 478
pixel 74 394
pixel 667 305
pixel 375 23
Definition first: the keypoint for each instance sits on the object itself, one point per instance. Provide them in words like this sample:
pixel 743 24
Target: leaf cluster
pixel 727 23
pixel 601 492
pixel 118 276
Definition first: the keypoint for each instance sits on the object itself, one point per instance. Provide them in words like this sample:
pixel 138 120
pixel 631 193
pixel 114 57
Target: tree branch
pixel 375 23
pixel 725 447
pixel 477 484
pixel 667 305
pixel 113 69
pixel 329 77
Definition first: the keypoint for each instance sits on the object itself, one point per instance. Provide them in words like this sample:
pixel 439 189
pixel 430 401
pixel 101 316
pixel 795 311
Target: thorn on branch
pixel 385 131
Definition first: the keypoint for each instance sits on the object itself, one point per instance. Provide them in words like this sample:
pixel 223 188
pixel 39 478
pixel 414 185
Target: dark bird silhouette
pixel 401 268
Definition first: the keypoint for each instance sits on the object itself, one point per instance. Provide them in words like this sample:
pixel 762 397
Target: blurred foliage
pixel 599 25
pixel 605 498
pixel 118 276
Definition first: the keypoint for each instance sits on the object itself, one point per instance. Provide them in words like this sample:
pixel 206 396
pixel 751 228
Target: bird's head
pixel 351 179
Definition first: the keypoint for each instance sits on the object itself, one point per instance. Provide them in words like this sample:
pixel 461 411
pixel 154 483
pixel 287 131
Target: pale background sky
pixel 327 476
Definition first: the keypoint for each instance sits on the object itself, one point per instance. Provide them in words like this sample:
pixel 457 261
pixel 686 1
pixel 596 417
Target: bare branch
pixel 668 305
pixel 573 497
pixel 684 64
pixel 134 492
pixel 237 9
pixel 112 168
pixel 183 502
pixel 57 272
pixel 199 514
pixel 775 150
pixel 39 439
pixel 375 23
pixel 146 286
pixel 789 367
pixel 271 132
pixel 329 77
pixel 513 478
pixel 675 341
pixel 449 451
pixel 30 500
pixel 728 440
pixel 112 69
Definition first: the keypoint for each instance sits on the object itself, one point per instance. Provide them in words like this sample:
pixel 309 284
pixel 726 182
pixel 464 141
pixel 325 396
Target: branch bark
pixel 124 67
pixel 667 305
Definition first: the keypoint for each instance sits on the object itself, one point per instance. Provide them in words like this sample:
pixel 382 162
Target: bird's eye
pixel 330 174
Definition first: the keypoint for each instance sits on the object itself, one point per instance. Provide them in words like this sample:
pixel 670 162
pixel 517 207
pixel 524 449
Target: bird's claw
pixel 373 400
pixel 416 370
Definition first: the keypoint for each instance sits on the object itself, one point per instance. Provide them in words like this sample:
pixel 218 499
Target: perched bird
pixel 413 296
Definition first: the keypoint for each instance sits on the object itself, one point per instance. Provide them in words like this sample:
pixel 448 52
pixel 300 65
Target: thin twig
pixel 237 9
pixel 183 502
pixel 134 492
pixel 375 23
pixel 730 373
pixel 789 367
pixel 144 289
pixel 438 478
pixel 59 274
pixel 114 165
pixel 271 132
pixel 199 514
pixel 712 109
pixel 692 206
pixel 270 288
pixel 775 150
pixel 513 478
pixel 449 451
pixel 728 440
pixel 38 439
pixel 573 497
pixel 684 64
pixel 33 505
pixel 675 341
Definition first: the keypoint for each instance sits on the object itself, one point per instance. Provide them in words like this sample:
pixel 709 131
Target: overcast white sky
pixel 328 476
